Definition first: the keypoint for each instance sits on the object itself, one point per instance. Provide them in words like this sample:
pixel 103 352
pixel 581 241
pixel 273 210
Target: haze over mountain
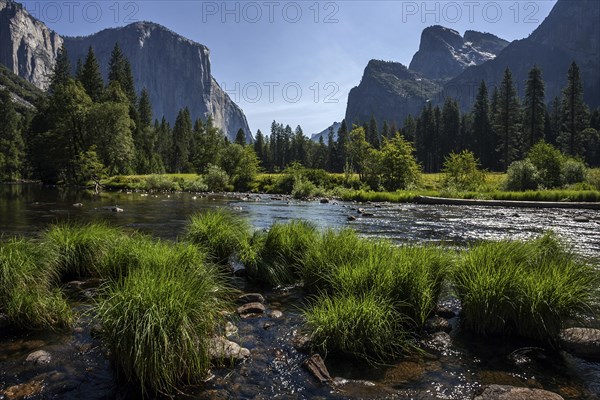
pixel 176 71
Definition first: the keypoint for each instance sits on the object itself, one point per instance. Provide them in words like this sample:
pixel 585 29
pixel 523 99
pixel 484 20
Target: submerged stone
pixel 501 392
pixel 316 366
pixel 39 357
pixel 222 350
pixel 251 298
pixel 251 308
pixel 582 342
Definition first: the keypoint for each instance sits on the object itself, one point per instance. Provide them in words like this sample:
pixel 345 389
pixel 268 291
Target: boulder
pixel 581 342
pixel 324 201
pixel 501 392
pixel 275 314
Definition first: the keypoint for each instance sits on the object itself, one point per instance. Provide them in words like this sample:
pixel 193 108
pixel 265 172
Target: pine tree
pixel 373 134
pixel 556 116
pixel 507 121
pixel 425 136
pixel 79 70
pixel 534 108
pixel 259 147
pixel 128 84
pixel 342 147
pixel 385 131
pixel 62 70
pixel 331 149
pixel 91 77
pixel 240 137
pixel 11 142
pixel 450 127
pixel 115 66
pixel 182 135
pixel 575 113
pixel 410 129
pixel 484 140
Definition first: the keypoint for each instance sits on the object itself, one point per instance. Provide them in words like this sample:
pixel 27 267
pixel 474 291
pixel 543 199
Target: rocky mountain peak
pixel 444 53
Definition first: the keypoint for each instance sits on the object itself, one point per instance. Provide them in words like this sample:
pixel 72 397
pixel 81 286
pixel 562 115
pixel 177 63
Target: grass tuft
pixel 220 233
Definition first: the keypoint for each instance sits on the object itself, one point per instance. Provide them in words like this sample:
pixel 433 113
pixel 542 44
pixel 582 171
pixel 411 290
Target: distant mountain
pixel 25 95
pixel 444 53
pixel 570 33
pixel 325 133
pixel 176 71
pixel 388 91
pixel 448 65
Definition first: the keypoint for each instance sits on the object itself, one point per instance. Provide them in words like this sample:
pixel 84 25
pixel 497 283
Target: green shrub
pixel 573 171
pixel 158 320
pixel 28 275
pixel 525 288
pixel 303 189
pixel 216 179
pixel 593 178
pixel 521 176
pixel 461 172
pixel 549 162
pixel 366 326
pixel 220 233
pixel 162 183
pixel 81 249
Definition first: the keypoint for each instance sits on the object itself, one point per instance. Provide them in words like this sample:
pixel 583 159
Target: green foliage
pixel 220 233
pixel 281 252
pixel 159 319
pixel 593 178
pixel 525 288
pixel 88 167
pixel 548 161
pixel 11 142
pixel 216 179
pixel 367 327
pixel 27 293
pixel 80 249
pixel 91 77
pixel 573 171
pixel 534 107
pixel 507 121
pixel 398 168
pixel 462 172
pixel 303 189
pixel 521 176
pixel 575 117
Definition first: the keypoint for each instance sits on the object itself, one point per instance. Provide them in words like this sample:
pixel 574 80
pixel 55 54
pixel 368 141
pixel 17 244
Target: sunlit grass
pixel 28 293
pixel 159 318
pixel 219 232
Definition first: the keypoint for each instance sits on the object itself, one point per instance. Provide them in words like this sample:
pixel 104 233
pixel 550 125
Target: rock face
pixel 175 70
pixel 389 91
pixel 444 53
pixel 28 47
pixel 315 137
pixel 569 33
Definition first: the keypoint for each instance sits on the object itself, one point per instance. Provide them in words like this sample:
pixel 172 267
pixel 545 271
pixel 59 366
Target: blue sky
pixel 296 61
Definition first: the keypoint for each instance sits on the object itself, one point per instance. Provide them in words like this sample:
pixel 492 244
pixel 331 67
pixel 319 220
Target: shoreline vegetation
pixel 321 184
pixel 368 299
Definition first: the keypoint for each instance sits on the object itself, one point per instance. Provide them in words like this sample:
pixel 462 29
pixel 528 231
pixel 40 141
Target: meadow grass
pixel 281 252
pixel 27 293
pixel 158 319
pixel 219 232
pixel 524 288
pixel 365 326
pixel 80 249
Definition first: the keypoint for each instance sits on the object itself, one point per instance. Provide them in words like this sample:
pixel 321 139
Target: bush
pixel 525 288
pixel 573 171
pixel 28 275
pixel 220 233
pixel 216 179
pixel 158 320
pixel 162 183
pixel 548 161
pixel 521 176
pixel 461 172
pixel 197 185
pixel 367 326
pixel 593 178
pixel 303 189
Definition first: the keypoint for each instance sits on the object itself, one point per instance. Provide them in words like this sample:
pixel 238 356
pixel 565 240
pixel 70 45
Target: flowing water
pixel 452 368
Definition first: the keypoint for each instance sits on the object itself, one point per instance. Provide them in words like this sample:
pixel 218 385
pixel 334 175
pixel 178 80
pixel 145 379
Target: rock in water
pixel 581 342
pixel 251 308
pixel 316 366
pixel 39 357
pixel 222 350
pixel 501 392
pixel 251 298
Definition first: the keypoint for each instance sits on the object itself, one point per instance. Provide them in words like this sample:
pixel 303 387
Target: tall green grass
pixel 365 326
pixel 157 320
pixel 80 249
pixel 524 288
pixel 28 295
pixel 280 253
pixel 219 232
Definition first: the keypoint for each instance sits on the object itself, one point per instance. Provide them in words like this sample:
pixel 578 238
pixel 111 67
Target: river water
pixel 450 369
